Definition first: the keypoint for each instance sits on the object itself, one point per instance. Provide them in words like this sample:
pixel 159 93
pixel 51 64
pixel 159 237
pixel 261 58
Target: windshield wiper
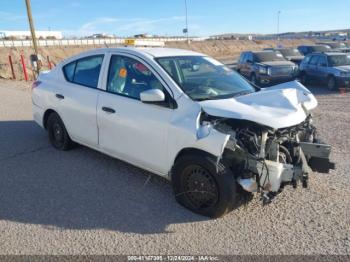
pixel 206 98
pixel 225 96
pixel 243 93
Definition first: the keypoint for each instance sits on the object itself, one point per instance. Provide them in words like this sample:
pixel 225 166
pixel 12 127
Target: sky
pixel 167 17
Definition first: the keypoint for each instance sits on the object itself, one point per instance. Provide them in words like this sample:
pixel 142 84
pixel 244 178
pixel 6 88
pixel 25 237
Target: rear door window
pixel 242 58
pixel 68 71
pixel 322 61
pixel 314 60
pixel 87 71
pixel 84 71
pixel 307 59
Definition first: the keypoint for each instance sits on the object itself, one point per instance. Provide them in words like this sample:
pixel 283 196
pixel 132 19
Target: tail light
pixel 36 84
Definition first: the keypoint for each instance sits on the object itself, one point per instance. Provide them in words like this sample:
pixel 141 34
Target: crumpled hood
pixel 279 106
pixel 343 68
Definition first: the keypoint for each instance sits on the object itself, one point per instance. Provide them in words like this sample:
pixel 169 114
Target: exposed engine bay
pixel 264 159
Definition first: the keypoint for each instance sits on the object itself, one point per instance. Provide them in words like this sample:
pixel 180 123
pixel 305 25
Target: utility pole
pixel 278 26
pixel 188 40
pixel 31 25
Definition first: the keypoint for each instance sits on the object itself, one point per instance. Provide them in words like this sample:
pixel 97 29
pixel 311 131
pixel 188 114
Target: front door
pixel 128 128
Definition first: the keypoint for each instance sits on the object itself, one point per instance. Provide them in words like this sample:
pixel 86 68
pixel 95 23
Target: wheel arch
pixel 302 72
pixel 192 150
pixel 329 75
pixel 47 113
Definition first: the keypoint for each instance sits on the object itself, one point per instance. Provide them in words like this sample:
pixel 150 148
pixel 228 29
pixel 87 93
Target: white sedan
pixel 186 117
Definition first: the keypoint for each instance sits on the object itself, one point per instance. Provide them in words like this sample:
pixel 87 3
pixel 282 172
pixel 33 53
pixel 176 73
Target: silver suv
pixel 332 69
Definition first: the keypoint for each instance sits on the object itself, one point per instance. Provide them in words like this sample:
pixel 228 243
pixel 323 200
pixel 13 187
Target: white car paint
pixel 151 136
pixel 277 107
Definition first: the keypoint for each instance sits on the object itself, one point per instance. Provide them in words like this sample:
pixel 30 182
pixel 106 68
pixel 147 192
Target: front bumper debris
pixel 272 176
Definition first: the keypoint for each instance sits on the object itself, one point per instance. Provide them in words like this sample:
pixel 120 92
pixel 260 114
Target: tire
pixel 58 134
pixel 332 83
pixel 203 187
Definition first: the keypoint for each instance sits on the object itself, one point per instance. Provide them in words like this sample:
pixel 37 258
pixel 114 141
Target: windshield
pixel 268 56
pixel 204 78
pixel 339 60
pixel 289 52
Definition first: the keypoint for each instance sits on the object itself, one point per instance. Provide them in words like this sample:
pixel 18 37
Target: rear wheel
pixel 203 187
pixel 58 134
pixel 331 83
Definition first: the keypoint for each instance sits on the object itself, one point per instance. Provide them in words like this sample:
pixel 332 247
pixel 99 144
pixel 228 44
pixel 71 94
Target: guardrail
pixel 82 42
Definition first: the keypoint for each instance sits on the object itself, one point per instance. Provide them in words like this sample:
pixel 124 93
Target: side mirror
pixel 249 61
pixel 152 96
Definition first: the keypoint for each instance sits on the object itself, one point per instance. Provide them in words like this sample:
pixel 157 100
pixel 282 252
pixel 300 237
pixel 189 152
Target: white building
pixel 26 34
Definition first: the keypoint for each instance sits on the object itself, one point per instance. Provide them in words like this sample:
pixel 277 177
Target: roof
pixel 164 52
pixel 263 51
pixel 154 52
pixel 312 45
pixel 329 53
pixel 284 48
pixel 335 53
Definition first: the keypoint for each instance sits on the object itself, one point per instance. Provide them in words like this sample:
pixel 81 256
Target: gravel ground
pixel 83 202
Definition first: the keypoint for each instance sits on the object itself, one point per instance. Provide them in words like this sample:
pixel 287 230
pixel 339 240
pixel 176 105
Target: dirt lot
pixel 83 202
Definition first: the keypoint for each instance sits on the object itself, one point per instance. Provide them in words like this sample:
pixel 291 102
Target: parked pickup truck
pixel 186 117
pixel 266 68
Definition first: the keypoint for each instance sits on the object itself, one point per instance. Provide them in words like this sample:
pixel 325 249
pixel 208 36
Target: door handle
pixel 108 110
pixel 59 96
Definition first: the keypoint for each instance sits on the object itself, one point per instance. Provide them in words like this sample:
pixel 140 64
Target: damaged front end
pixel 264 159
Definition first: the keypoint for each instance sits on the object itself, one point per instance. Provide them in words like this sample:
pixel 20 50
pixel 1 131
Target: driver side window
pixel 129 77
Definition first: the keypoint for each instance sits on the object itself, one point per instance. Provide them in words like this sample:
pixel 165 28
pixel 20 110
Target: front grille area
pixel 282 71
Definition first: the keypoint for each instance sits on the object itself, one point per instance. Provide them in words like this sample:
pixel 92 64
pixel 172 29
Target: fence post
pixel 11 66
pixel 49 62
pixel 24 68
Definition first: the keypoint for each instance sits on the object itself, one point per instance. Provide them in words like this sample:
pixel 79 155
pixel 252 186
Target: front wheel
pixel 203 186
pixel 331 83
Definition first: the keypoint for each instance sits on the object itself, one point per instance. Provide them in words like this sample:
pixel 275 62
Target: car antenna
pixel 106 45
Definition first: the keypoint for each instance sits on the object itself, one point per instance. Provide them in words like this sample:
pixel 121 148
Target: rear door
pixel 322 68
pixel 78 98
pixel 312 67
pixel 128 128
